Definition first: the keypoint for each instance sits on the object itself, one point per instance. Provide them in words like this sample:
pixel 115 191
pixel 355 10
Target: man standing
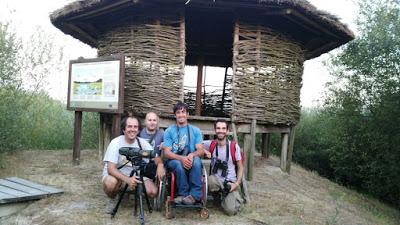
pixel 183 147
pixel 154 136
pixel 113 178
pixel 226 168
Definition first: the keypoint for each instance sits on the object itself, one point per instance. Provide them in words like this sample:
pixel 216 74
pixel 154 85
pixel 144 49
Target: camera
pixel 183 151
pixel 132 152
pixel 219 164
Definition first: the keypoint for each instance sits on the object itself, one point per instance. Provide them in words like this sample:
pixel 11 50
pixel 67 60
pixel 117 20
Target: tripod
pixel 140 190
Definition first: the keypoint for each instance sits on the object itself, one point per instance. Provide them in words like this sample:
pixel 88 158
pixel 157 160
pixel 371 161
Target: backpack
pixel 232 148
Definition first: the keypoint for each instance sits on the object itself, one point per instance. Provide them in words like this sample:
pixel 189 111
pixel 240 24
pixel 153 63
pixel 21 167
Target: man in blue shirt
pixel 183 147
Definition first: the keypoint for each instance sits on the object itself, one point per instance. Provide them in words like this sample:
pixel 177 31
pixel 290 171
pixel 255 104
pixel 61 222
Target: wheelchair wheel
pixel 205 194
pixel 204 213
pixel 160 199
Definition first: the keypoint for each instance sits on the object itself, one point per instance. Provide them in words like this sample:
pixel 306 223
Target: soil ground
pixel 302 197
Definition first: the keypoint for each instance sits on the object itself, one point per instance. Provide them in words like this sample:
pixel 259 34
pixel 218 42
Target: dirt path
pixel 277 198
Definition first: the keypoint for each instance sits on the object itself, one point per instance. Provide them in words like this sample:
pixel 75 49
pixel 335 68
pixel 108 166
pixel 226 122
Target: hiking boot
pixel 178 200
pixel 112 202
pixel 188 200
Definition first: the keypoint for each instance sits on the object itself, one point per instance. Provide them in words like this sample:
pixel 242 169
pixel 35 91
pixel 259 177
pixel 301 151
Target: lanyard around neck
pixel 188 132
pixel 227 150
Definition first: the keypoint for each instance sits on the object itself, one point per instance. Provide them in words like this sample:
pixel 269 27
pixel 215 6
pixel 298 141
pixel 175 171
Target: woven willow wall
pixel 154 63
pixel 267 76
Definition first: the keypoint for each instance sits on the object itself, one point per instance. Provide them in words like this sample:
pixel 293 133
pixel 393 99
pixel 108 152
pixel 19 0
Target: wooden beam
pixel 234 66
pixel 301 18
pixel 207 123
pixel 247 149
pixel 290 151
pixel 250 158
pixel 101 136
pixel 245 128
pixel 84 35
pixel 233 5
pixel 284 151
pixel 115 5
pixel 224 89
pixel 182 45
pixel 319 51
pixel 234 131
pixel 116 126
pixel 198 87
pixel 107 135
pixel 76 153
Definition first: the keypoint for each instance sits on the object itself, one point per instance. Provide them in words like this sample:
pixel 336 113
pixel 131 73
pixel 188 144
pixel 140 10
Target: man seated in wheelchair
pixel 226 170
pixel 183 149
pixel 117 168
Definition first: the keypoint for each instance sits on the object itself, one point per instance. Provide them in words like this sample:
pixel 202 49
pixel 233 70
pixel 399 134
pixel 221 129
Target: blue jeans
pixel 188 181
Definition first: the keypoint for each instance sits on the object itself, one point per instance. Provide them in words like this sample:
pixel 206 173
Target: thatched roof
pixel 209 23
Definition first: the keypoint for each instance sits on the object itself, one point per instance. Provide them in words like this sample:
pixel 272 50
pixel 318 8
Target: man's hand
pixel 160 171
pixel 207 154
pixel 187 161
pixel 234 186
pixel 133 181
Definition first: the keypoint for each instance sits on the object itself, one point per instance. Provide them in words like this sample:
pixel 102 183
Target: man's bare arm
pixel 239 176
pixel 113 171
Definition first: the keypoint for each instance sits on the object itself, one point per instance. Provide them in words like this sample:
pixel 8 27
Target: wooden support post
pixel 234 131
pixel 223 90
pixel 204 84
pixel 250 157
pixel 234 67
pixel 284 140
pixel 76 154
pixel 107 135
pixel 116 126
pixel 101 136
pixel 290 151
pixel 198 87
pixel 266 144
pixel 182 45
pixel 247 149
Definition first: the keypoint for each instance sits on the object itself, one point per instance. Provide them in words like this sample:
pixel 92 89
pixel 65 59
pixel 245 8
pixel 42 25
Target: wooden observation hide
pixel 265 42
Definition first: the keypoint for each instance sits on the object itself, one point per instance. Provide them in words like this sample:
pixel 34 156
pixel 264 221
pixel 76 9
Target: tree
pixel 364 104
pixel 29 118
pixel 9 49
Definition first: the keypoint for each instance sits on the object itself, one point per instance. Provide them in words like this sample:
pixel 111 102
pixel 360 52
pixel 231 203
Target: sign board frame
pixel 97 84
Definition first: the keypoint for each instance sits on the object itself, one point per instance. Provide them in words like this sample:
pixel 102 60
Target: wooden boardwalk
pixel 15 192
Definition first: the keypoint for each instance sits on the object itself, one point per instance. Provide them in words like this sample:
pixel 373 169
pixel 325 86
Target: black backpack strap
pixel 138 141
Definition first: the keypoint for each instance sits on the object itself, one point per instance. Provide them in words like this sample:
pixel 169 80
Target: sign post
pixel 95 85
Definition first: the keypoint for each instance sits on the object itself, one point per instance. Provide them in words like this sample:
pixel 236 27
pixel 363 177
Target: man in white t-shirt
pixel 226 168
pixel 113 178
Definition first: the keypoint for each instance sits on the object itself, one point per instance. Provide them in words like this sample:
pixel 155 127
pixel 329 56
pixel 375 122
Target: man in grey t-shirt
pixel 113 178
pixel 224 168
pixel 152 134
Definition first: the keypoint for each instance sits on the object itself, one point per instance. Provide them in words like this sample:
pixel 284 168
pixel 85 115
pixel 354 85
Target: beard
pixel 221 137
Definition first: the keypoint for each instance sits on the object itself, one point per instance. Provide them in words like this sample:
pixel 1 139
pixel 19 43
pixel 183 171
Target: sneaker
pixel 112 202
pixel 178 200
pixel 188 200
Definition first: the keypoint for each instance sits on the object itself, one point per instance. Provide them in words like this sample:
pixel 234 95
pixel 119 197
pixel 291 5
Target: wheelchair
pixel 166 194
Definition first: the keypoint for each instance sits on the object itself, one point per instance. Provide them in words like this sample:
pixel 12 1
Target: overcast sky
pixel 27 15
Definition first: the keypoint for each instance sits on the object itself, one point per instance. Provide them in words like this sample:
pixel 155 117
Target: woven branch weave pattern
pixel 268 70
pixel 154 64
